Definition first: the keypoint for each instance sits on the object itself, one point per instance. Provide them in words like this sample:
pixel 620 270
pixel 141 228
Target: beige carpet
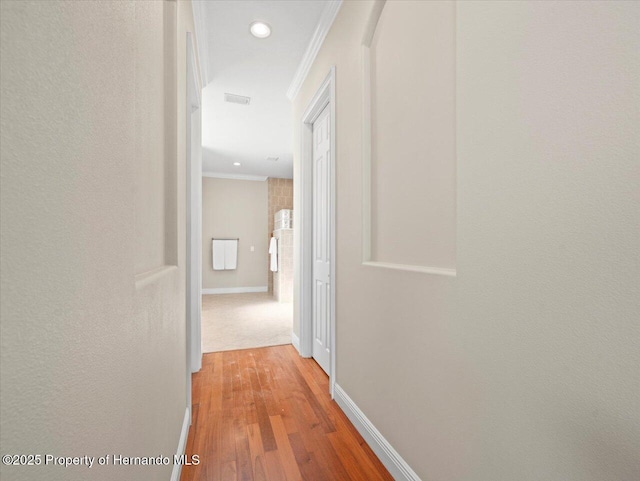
pixel 241 321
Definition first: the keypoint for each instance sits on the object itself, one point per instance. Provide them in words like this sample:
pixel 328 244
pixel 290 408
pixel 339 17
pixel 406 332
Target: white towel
pixel 218 251
pixel 273 250
pixel 230 254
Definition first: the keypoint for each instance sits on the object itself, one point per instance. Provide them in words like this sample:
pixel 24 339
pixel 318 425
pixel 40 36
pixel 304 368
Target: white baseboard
pixel 295 340
pixel 397 466
pixel 234 290
pixel 182 444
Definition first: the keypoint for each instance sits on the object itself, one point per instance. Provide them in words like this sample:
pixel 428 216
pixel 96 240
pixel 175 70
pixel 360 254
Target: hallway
pixel 266 414
pixel 444 193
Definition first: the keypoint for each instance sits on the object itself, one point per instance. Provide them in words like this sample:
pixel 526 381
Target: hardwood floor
pixel 266 415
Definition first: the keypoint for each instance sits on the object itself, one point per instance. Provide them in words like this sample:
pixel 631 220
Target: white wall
pixel 526 365
pixel 235 208
pixel 92 275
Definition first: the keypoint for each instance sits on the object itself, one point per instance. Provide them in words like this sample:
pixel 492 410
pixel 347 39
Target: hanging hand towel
pixel 218 248
pixel 230 254
pixel 273 250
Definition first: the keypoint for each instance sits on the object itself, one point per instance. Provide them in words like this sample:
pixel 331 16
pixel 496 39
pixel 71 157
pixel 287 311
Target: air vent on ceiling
pixel 273 159
pixel 237 99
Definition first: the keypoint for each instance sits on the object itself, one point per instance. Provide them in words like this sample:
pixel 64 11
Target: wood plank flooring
pixel 266 415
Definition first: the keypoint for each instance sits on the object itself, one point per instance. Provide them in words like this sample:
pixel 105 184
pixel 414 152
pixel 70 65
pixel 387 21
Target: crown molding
pixel 201 42
pixel 218 175
pixel 324 25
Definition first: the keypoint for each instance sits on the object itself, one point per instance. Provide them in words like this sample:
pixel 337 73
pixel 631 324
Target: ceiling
pixel 233 61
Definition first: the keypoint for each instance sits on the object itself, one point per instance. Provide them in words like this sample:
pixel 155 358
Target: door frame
pixel 325 95
pixel 194 225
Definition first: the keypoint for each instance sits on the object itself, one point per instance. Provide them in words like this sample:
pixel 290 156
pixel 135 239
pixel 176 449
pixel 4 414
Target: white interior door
pixel 321 296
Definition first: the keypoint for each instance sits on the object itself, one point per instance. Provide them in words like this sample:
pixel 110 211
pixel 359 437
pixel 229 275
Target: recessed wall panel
pixel 412 134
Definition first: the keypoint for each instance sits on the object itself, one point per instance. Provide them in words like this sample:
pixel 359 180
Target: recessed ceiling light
pixel 237 164
pixel 260 29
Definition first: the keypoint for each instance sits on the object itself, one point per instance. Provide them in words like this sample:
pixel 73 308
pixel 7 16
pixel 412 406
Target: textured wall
pixel 280 197
pixel 93 344
pixel 413 183
pixel 526 366
pixel 235 208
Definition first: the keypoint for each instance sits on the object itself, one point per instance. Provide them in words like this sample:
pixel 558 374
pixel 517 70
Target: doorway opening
pixel 194 195
pixel 247 295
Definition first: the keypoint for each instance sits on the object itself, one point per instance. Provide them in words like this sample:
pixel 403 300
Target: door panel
pixel 321 237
